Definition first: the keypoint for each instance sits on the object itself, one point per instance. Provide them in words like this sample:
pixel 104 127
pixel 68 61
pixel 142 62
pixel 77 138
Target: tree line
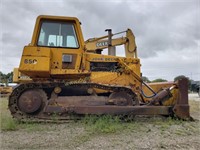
pixel 190 86
pixel 6 78
pixel 145 79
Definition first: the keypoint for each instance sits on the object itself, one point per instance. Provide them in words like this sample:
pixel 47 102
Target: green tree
pixel 145 79
pixel 159 80
pixel 182 76
pixel 9 76
pixel 6 78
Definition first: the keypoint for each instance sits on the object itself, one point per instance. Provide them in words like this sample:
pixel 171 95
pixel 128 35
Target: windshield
pixel 58 34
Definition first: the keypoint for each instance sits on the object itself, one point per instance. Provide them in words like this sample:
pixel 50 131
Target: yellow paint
pixel 159 86
pixel 128 41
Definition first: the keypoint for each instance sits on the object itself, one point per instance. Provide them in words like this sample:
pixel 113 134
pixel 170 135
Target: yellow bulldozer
pixel 69 77
pixel 5 91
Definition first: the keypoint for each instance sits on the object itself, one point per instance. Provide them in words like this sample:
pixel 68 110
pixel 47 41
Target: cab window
pixel 58 34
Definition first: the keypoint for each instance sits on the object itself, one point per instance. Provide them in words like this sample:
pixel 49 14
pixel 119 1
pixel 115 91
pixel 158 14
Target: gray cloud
pixel 160 27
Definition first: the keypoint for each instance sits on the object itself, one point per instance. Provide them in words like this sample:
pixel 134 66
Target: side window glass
pixel 41 38
pixel 71 42
pixel 58 34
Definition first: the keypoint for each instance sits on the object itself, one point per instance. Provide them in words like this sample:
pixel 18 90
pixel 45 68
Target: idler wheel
pixel 120 98
pixel 31 101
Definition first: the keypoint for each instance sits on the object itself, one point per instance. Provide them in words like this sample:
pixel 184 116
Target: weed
pixel 8 124
pixel 135 126
pixel 6 121
pixel 192 128
pixel 180 132
pixel 54 117
pixel 31 127
pixel 82 138
pixel 103 124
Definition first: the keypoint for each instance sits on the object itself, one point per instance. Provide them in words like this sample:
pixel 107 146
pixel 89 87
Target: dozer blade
pixel 181 108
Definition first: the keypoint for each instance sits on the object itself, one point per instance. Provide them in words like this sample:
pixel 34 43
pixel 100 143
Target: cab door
pixel 64 41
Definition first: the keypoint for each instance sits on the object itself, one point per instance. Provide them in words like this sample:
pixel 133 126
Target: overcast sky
pixel 167 31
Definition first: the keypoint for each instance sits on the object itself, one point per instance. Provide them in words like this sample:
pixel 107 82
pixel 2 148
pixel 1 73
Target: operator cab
pixel 55 50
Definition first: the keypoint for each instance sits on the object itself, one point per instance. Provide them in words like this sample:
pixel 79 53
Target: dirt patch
pixel 143 133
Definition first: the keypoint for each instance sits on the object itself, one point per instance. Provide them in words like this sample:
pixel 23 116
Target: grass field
pixel 102 133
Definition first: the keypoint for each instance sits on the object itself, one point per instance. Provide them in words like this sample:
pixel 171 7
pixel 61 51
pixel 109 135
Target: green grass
pixel 9 124
pixel 103 124
pixel 107 124
pixel 6 121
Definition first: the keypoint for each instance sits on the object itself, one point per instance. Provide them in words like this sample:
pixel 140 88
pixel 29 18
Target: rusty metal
pixel 54 109
pixel 181 109
pixel 30 101
pixel 67 101
pixel 57 103
pixel 160 97
pixel 111 110
pixel 120 98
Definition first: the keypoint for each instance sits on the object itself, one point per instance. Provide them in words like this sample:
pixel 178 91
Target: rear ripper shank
pixel 68 76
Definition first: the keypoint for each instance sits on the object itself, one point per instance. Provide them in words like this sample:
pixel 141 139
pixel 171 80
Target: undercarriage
pixel 64 101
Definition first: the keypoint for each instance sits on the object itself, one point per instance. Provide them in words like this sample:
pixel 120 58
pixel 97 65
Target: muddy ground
pixel 143 133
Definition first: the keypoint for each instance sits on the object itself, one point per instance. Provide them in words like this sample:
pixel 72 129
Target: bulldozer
pixel 69 77
pixel 5 91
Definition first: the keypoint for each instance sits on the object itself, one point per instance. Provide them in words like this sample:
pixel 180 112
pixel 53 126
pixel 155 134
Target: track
pixel 38 113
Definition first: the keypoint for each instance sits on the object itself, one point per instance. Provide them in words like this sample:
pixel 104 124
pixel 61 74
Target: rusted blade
pixel 181 109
